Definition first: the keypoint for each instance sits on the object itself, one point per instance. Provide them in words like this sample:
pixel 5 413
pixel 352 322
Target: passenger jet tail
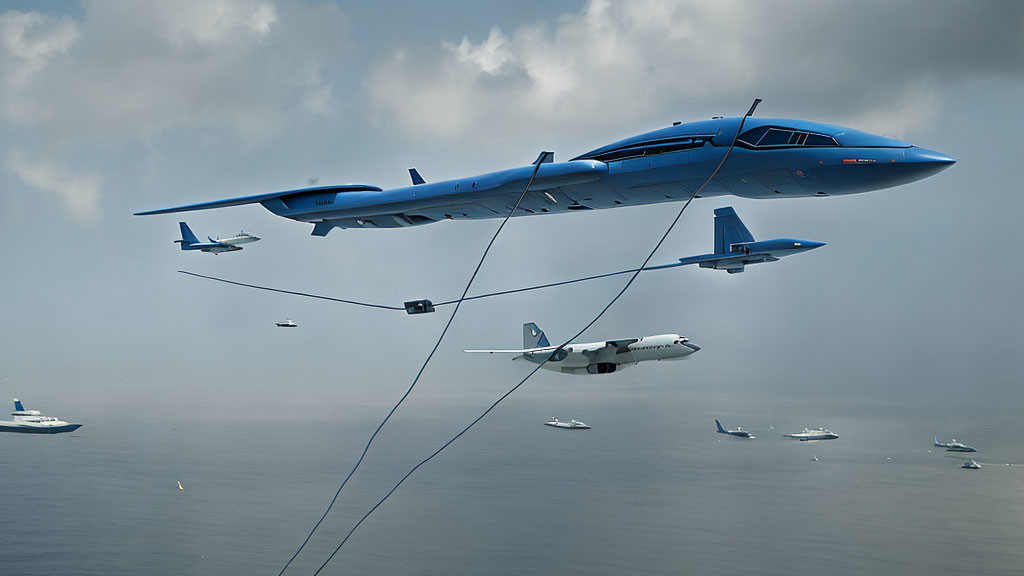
pixel 533 337
pixel 720 429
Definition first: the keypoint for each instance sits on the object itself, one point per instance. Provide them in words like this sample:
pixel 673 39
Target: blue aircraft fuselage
pixel 773 158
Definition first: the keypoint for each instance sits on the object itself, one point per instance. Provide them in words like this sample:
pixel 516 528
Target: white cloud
pixel 132 70
pixel 80 193
pixel 32 37
pixel 620 63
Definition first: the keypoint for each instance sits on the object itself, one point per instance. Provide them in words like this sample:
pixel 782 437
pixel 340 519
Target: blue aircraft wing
pixel 260 198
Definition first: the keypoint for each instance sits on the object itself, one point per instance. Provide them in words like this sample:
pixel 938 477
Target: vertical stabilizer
pixel 729 229
pixel 719 424
pixel 936 440
pixel 187 237
pixel 533 336
pixel 17 406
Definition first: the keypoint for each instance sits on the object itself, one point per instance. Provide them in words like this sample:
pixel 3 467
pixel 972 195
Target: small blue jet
pixel 735 246
pixel 738 432
pixel 773 158
pixel 190 242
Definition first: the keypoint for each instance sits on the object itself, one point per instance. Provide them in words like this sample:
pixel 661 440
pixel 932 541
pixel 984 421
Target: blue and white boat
pixel 33 422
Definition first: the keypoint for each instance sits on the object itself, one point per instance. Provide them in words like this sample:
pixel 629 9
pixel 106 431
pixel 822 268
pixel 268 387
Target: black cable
pixel 436 304
pixel 636 273
pixel 306 294
pixel 437 344
pixel 562 283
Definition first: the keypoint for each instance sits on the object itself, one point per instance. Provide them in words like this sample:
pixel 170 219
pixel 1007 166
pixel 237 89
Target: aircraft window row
pixel 650 148
pixel 766 136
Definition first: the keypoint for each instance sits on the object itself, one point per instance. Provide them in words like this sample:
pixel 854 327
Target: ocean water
pixel 651 489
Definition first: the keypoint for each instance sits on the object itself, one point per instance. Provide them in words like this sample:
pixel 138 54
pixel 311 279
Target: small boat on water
pixel 813 434
pixel 33 422
pixel 572 424
pixel 971 465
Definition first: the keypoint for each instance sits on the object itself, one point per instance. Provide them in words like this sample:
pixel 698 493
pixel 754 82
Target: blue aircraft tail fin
pixel 187 237
pixel 533 336
pixel 729 229
pixel 936 440
pixel 719 424
pixel 416 178
pixel 17 405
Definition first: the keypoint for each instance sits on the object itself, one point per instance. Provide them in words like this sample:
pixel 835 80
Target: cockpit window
pixel 819 140
pixel 776 137
pixel 752 136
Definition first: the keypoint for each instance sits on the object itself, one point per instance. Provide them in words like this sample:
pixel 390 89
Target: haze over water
pixel 651 489
pixel 906 325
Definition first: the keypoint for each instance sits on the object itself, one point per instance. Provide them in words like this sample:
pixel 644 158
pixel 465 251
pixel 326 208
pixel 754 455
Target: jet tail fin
pixel 936 440
pixel 729 230
pixel 719 424
pixel 416 178
pixel 187 237
pixel 17 406
pixel 533 336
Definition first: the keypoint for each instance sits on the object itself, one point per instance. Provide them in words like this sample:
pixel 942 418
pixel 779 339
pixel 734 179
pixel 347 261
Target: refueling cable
pixel 444 303
pixel 543 158
pixel 636 273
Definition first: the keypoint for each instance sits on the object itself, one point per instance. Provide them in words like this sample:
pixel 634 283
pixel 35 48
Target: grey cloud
pixel 647 59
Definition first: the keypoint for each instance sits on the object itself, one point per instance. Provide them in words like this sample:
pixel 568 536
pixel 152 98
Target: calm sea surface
pixel 649 490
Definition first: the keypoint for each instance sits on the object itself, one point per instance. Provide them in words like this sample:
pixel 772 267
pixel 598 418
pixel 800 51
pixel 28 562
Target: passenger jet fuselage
pixel 773 158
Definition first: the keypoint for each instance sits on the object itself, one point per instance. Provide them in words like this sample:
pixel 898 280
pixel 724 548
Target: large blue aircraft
pixel 773 158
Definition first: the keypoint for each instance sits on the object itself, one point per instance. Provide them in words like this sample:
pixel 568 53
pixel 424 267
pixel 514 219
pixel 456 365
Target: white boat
pixel 572 424
pixel 33 422
pixel 288 323
pixel 813 434
pixel 971 465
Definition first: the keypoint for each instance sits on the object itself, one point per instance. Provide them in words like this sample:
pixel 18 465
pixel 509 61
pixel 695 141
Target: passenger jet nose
pixel 691 346
pixel 918 154
pixel 925 162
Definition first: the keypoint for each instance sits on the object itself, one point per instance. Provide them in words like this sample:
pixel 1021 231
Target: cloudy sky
pixel 107 108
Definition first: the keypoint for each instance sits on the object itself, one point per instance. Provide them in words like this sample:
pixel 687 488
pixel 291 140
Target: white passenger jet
pixel 597 357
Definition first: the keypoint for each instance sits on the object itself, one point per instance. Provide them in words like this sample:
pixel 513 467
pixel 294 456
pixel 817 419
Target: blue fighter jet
pixel 773 158
pixel 735 246
pixel 216 246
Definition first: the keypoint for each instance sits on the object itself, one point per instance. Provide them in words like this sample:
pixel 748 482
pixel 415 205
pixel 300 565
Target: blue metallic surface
pixel 665 165
pixel 735 246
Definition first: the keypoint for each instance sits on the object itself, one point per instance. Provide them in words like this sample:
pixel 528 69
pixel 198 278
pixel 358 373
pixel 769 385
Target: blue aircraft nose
pixel 810 244
pixel 926 156
pixel 923 162
pixel 917 164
